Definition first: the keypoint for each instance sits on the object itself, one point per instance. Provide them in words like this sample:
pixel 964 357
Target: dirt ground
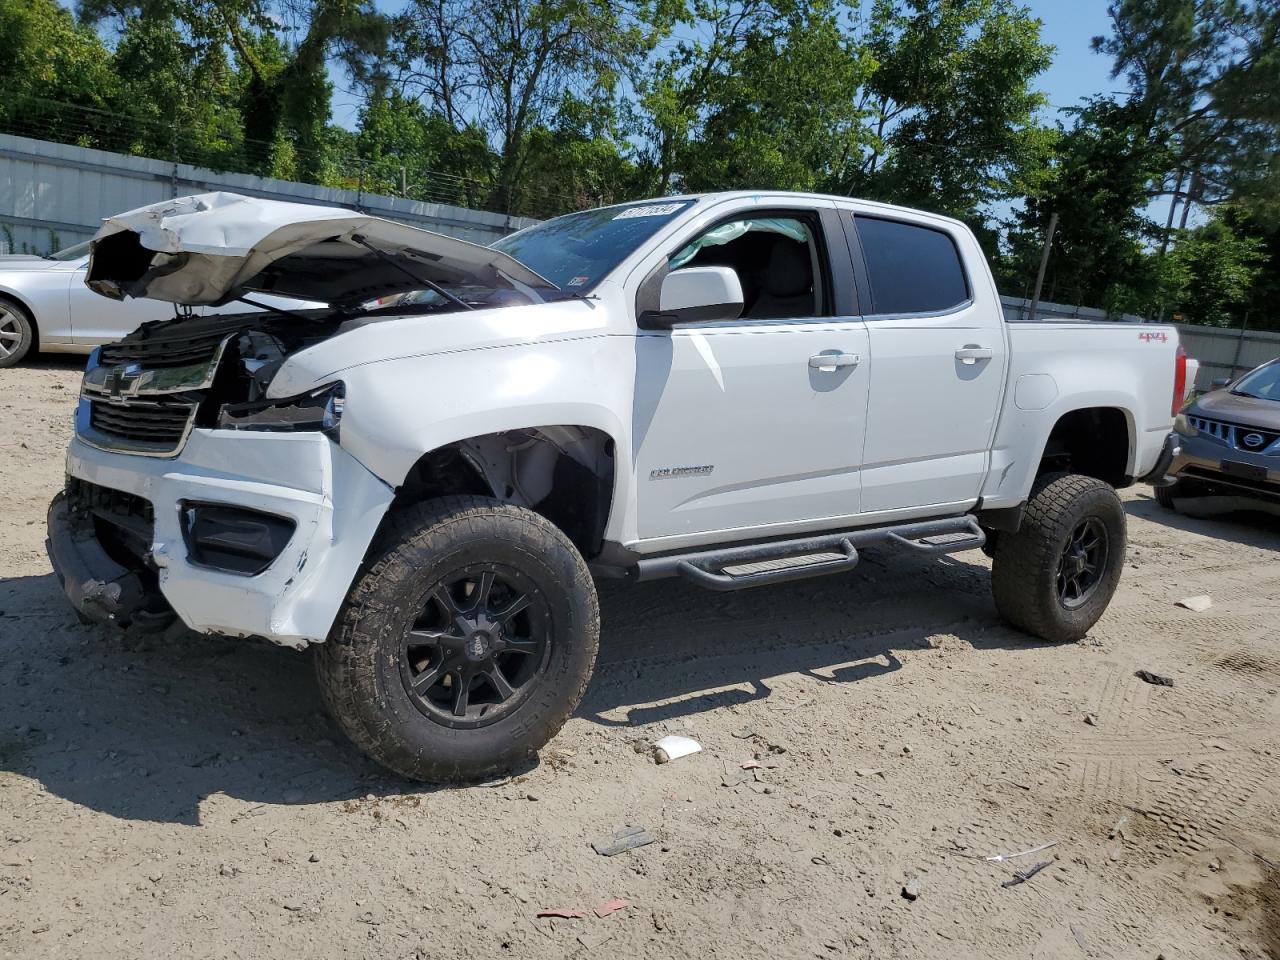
pixel 189 798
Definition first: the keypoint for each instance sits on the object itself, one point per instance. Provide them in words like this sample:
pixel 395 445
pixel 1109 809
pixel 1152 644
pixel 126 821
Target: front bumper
pixel 1205 459
pixel 335 503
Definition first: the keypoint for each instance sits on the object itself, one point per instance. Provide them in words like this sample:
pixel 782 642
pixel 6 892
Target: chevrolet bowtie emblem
pixel 123 381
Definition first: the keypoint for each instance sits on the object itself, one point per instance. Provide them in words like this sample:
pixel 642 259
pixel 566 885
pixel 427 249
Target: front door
pixel 937 365
pixel 757 421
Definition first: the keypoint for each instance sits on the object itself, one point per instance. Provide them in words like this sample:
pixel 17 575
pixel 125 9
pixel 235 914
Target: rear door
pixel 758 421
pixel 937 364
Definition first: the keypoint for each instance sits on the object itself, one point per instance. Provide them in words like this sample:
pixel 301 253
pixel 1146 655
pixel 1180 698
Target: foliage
pixel 535 107
pixel 955 114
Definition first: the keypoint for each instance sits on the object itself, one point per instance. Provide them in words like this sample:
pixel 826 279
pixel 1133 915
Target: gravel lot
pixel 187 797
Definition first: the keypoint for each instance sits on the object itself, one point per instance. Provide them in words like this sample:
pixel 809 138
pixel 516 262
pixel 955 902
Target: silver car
pixel 1229 440
pixel 44 305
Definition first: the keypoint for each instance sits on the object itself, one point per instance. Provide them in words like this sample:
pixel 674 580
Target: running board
pixel 736 568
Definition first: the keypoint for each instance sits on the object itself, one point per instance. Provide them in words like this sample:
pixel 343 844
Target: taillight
pixel 1179 380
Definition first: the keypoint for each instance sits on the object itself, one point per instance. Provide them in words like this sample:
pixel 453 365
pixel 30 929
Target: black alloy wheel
pixel 481 642
pixel 1084 558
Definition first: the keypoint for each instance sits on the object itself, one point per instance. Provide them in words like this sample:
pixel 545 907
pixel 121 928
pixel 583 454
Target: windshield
pixel 1263 383
pixel 575 251
pixel 70 253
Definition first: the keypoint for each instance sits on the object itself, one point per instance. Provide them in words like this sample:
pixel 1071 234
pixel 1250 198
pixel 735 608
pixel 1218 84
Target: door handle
pixel 971 353
pixel 829 362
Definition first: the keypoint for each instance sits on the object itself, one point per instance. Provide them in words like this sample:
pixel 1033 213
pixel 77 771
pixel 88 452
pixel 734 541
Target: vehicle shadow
pixel 154 728
pixel 1236 519
pixel 56 361
pixel 671 650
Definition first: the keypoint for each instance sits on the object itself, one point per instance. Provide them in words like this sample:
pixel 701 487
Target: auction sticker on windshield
pixel 650 210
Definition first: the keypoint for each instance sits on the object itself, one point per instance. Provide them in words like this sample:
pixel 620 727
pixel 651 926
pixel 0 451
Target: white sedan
pixel 45 305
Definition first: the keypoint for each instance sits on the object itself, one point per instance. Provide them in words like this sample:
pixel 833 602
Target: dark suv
pixel 1229 440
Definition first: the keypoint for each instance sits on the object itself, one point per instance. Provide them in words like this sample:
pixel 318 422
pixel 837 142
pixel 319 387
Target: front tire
pixel 1056 575
pixel 465 644
pixel 1165 495
pixel 17 333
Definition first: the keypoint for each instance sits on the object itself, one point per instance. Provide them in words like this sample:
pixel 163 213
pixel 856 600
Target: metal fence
pixel 1227 353
pixel 53 195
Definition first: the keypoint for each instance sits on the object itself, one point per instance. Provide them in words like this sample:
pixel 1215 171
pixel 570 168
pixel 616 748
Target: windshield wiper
pixel 411 274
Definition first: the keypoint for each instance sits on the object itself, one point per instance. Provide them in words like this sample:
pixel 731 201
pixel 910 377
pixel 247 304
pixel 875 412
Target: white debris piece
pixel 1196 604
pixel 673 747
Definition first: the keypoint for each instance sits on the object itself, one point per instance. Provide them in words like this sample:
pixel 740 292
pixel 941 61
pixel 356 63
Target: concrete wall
pixel 64 191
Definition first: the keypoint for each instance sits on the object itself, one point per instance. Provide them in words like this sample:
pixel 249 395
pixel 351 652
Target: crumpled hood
pixel 212 248
pixel 1250 411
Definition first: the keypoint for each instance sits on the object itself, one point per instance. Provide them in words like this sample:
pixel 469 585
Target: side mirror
pixel 703 294
pixel 1220 383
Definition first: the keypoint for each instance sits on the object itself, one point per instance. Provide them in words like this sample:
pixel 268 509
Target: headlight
pixel 319 409
pixel 1183 426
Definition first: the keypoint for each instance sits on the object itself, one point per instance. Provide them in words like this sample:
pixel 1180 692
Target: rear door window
pixel 912 269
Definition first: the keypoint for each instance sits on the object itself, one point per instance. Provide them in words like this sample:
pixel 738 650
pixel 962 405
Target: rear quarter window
pixel 912 269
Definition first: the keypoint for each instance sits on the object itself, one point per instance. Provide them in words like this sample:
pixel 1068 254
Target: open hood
pixel 212 248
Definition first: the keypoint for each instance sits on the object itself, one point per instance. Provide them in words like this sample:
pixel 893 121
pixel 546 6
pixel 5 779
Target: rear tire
pixel 17 333
pixel 466 642
pixel 1056 575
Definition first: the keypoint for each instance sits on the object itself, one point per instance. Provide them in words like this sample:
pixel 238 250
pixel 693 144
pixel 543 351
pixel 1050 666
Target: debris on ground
pixel 1118 829
pixel 562 914
pixel 1081 940
pixel 1001 857
pixel 611 906
pixel 1022 876
pixel 743 733
pixel 1091 719
pixel 1197 604
pixel 869 772
pixel 592 939
pixel 628 838
pixel 912 889
pixel 674 746
pixel 1154 678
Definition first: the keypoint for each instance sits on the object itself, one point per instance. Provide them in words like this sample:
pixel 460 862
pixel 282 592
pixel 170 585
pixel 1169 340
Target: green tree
pixel 180 102
pixel 511 67
pixel 285 100
pixel 50 60
pixel 1211 272
pixel 1205 79
pixel 768 98
pixel 955 110
pixel 1097 182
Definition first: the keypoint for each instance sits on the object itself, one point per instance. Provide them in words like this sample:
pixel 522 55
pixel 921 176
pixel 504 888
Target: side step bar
pixel 736 568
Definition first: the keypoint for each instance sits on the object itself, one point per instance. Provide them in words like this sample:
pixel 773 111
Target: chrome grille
pixel 1237 435
pixel 156 427
pixel 184 350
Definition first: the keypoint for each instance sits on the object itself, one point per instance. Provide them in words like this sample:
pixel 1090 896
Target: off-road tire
pixel 14 319
pixel 1024 573
pixel 1164 495
pixel 359 667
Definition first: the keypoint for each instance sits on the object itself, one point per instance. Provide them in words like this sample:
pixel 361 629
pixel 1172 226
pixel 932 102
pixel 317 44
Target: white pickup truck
pixel 423 478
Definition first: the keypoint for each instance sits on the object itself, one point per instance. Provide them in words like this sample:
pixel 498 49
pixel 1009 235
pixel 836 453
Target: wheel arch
pixel 567 473
pixel 1096 441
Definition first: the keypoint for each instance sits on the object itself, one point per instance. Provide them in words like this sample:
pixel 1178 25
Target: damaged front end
pixel 99 542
